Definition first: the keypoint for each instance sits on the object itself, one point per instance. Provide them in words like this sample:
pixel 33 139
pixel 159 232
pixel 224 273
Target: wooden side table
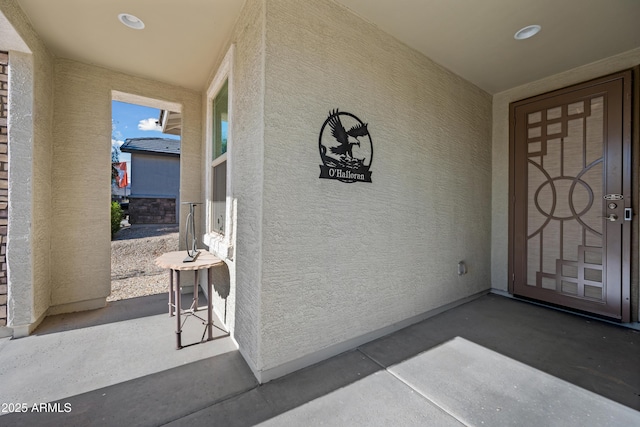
pixel 174 261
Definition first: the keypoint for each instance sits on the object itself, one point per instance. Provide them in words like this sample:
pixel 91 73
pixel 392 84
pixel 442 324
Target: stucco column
pixel 19 241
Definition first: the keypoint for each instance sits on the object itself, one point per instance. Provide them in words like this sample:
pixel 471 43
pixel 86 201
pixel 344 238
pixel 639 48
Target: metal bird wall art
pixel 346 138
pixel 341 159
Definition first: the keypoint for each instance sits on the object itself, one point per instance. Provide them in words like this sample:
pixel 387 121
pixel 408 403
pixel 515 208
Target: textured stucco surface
pixel 30 135
pixel 500 154
pixel 241 283
pixel 341 260
pixel 11 40
pixel 19 244
pixel 81 172
pixel 42 169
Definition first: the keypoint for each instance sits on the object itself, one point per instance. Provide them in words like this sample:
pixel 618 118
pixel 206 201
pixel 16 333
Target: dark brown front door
pixel 570 218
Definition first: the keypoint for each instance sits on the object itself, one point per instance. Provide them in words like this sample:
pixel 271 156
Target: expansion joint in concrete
pixel 406 384
pixel 214 403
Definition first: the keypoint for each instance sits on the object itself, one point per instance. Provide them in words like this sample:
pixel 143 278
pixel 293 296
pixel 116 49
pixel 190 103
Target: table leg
pixel 209 305
pixel 171 294
pixel 195 291
pixel 178 310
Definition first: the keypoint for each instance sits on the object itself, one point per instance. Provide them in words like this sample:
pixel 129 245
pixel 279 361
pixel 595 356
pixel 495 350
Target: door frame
pixel 630 240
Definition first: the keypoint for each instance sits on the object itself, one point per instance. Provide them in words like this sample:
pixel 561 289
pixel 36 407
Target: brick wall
pixel 4 182
pixel 150 210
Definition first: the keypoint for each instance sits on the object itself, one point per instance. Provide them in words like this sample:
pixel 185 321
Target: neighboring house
pixel 318 266
pixel 155 180
pixel 170 122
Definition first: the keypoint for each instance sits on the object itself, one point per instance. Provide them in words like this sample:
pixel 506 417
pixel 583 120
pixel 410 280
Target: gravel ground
pixel 133 251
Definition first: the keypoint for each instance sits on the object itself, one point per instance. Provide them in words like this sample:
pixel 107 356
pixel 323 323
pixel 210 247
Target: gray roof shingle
pixel 151 145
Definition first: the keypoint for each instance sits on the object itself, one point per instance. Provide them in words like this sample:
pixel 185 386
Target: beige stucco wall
pixel 42 168
pixel 30 148
pixel 237 299
pixel 342 260
pixel 81 174
pixel 500 152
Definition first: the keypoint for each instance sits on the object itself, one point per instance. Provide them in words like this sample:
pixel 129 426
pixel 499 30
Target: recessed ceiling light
pixel 131 21
pixel 526 32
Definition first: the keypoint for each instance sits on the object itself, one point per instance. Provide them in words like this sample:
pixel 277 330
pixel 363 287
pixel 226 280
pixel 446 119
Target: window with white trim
pixel 218 161
pixel 219 138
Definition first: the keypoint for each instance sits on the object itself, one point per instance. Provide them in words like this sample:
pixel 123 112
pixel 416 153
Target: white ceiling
pixel 473 38
pixel 180 43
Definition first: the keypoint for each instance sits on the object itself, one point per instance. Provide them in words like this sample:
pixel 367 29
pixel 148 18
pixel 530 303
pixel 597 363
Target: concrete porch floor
pixel 493 361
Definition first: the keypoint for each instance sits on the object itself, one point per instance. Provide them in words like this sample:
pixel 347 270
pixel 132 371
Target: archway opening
pixel 145 190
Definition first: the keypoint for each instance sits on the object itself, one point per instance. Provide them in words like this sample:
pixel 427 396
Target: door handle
pixel 611 217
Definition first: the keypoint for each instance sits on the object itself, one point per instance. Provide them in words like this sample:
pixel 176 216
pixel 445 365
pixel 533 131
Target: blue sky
pixel 133 121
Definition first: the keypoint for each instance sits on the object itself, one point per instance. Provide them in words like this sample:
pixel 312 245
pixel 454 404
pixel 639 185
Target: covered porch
pixel 319 271
pixel 491 361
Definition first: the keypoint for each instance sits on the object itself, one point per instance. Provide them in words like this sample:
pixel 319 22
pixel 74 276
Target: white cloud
pixel 149 124
pixel 116 143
